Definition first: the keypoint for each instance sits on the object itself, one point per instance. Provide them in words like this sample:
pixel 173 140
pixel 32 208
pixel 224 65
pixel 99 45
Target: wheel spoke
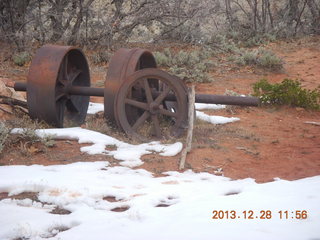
pixel 59 96
pixel 168 113
pixel 141 120
pixel 163 95
pixel 71 106
pixel 65 67
pixel 136 103
pixel 59 93
pixel 74 75
pixel 156 125
pixel 60 110
pixel 147 90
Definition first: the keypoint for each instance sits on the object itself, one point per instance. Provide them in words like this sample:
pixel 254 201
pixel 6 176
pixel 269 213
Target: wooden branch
pixel 313 123
pixel 13 102
pixel 5 110
pixel 191 96
pixel 299 17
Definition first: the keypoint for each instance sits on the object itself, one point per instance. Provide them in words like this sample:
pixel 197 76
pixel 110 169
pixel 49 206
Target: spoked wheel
pixel 53 71
pixel 154 120
pixel 124 63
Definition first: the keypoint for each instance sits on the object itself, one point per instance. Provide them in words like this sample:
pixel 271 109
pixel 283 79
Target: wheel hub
pixel 154 108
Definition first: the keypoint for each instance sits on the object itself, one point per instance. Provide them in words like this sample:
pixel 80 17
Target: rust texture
pixel 136 93
pixel 124 63
pixel 53 70
pixel 155 120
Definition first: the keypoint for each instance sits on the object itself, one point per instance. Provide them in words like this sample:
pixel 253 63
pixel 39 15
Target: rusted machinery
pixel 142 100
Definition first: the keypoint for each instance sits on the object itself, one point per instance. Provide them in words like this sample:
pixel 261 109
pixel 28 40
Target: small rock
pixel 6 110
pixel 4 90
pixel 299 109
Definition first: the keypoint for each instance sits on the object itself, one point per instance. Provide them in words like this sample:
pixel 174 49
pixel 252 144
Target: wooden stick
pixel 191 97
pixel 313 123
pixel 12 102
pixel 5 110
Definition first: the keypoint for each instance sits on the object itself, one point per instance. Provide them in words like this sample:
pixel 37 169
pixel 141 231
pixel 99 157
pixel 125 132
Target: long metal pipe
pixel 73 90
pixel 199 98
pixel 227 100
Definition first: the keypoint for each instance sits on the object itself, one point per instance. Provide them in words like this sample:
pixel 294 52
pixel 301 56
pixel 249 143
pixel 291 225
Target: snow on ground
pixel 190 198
pixel 98 107
pixel 215 119
pixel 129 154
pixel 176 206
pixel 95 108
pixel 202 106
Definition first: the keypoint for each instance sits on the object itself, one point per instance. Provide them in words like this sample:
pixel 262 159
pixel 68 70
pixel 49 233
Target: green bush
pixel 21 58
pixel 190 66
pixel 288 92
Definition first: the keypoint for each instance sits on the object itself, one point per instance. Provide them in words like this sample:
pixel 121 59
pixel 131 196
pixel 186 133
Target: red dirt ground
pixel 266 143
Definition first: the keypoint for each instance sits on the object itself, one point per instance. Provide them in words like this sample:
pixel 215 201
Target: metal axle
pixel 73 90
pixel 199 98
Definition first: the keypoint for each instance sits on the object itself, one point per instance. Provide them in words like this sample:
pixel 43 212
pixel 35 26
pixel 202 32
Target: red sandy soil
pixel 266 143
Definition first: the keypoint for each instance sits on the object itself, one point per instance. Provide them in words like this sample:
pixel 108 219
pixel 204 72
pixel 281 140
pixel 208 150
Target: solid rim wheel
pixel 154 120
pixel 124 63
pixel 53 71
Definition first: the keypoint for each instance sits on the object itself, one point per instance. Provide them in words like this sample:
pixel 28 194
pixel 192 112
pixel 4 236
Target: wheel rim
pixel 154 120
pixel 124 63
pixel 53 71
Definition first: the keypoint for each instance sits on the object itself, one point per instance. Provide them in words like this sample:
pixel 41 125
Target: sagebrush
pixel 190 66
pixel 261 58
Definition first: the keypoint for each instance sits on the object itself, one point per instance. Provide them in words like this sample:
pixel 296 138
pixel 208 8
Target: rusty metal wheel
pixel 123 63
pixel 154 120
pixel 53 71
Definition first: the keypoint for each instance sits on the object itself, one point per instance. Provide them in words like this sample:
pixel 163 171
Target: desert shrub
pixel 29 135
pixel 4 133
pixel 99 123
pixel 190 66
pixel 229 92
pixel 100 57
pixel 247 58
pixel 24 121
pixel 164 58
pixel 269 60
pixel 288 92
pixel 222 44
pixel 262 58
pixel 24 140
pixel 21 58
pixel 258 39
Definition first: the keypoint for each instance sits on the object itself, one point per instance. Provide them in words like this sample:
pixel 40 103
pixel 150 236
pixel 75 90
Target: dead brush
pixel 98 123
pixel 27 141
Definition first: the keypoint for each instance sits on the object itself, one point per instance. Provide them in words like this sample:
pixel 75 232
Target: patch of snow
pixel 95 108
pixel 98 107
pixel 190 199
pixel 129 154
pixel 201 106
pixel 215 119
